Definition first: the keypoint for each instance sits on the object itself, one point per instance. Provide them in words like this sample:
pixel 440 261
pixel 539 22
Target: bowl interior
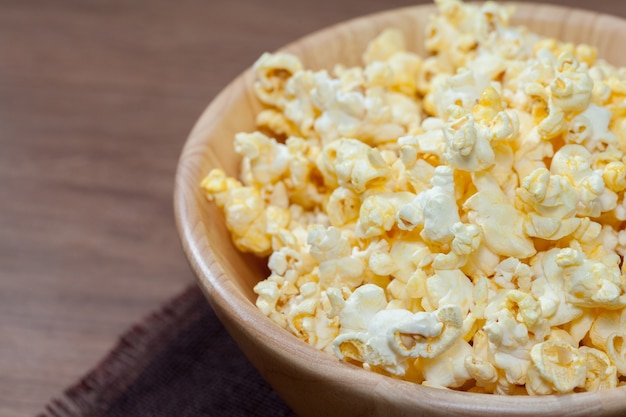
pixel 227 276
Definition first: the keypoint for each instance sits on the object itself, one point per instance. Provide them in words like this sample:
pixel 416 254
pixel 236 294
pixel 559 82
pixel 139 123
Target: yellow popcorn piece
pixel 549 289
pixel 273 71
pixel 614 176
pixel 448 287
pixel 590 283
pixel 582 53
pixel 556 367
pixel 462 89
pixel 409 257
pixel 513 274
pixel 453 220
pixel 590 128
pixel 447 370
pixel 601 373
pixel 573 162
pixel 333 253
pixel 435 209
pixel 616 350
pixel 511 316
pixel 247 215
pixel 365 115
pixel 531 150
pixel 490 209
pixel 378 213
pixel 397 73
pixel 467 239
pixel 307 319
pixel 571 88
pixel 343 206
pixel 482 371
pixel 268 160
pixel 604 325
pixel 277 123
pixel 386 338
pixel 551 203
pixel 353 164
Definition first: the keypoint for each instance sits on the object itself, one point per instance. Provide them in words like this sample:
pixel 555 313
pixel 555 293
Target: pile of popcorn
pixel 454 220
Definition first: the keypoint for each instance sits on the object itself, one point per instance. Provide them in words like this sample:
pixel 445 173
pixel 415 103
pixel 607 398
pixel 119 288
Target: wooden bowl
pixel 311 382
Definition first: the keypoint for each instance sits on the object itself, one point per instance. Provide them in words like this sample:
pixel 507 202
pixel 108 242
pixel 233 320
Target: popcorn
pixel 332 251
pixel 386 338
pixel 591 128
pixel 614 176
pixel 590 283
pixel 551 203
pixel 491 210
pixel 385 46
pixel 268 160
pixel 510 317
pixel 462 89
pixel 513 274
pixel 548 288
pixel 454 220
pixel 378 213
pixel 273 71
pixel 305 319
pixel 556 367
pixel 532 150
pixel 352 164
pixel 396 71
pixel 572 161
pixel 572 86
pixel 448 287
pixel 617 351
pixel 467 239
pixel 448 371
pixel 247 215
pixel 601 373
pixel 434 209
pixel 351 114
pixel 343 206
pixel 409 257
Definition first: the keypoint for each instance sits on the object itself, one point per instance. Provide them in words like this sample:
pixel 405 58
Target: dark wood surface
pixel 96 100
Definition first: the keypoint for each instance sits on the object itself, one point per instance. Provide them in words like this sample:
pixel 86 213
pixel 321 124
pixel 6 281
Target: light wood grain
pixel 314 383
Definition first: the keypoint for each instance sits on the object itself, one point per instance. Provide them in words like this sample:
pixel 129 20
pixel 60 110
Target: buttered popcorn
pixel 453 220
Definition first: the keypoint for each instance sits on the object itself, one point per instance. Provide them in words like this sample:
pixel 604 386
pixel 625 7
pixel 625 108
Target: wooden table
pixel 96 100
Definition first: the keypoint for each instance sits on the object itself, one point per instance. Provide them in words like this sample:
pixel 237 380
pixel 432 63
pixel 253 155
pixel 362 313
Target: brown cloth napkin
pixel 178 362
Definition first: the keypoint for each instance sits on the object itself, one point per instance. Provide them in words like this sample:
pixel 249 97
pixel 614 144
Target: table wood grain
pixel 96 100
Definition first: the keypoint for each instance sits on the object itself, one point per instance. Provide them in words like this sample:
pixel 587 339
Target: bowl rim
pixel 223 295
